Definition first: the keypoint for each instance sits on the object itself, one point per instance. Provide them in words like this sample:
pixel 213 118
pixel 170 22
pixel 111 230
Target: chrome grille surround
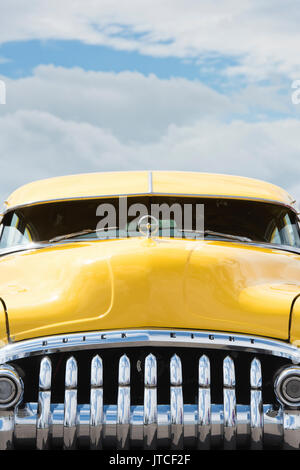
pixel 119 338
pixel 175 425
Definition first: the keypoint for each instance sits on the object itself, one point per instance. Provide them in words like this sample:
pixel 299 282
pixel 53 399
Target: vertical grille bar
pixel 44 405
pixel 150 403
pixel 123 413
pixel 176 400
pixel 70 409
pixel 229 403
pixel 204 404
pixel 256 405
pixel 96 403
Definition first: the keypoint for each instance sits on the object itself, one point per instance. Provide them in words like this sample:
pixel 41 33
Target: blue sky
pixel 97 86
pixel 21 57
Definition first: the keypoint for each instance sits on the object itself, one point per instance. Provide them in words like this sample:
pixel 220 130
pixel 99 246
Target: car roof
pixel 94 185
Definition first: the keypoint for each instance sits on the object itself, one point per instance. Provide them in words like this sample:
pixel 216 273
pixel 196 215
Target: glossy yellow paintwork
pixel 3 332
pixel 141 283
pixel 141 182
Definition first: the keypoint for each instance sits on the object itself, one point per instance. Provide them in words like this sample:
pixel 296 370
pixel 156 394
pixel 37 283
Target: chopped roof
pixel 91 185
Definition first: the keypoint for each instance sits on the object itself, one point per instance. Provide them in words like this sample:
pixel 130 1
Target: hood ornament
pixel 148 225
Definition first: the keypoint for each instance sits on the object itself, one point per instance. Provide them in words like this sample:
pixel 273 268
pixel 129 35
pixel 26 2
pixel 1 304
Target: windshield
pixel 180 217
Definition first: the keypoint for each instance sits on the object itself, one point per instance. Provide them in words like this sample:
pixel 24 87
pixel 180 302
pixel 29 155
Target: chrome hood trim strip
pixel 133 338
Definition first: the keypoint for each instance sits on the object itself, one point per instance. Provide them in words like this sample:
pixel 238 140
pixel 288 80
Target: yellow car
pixel 149 310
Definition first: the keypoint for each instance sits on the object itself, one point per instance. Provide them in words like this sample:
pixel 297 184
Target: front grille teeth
pixel 256 405
pixel 44 405
pixel 150 402
pixel 229 403
pixel 123 413
pixel 96 421
pixel 175 425
pixel 70 410
pixel 176 402
pixel 204 404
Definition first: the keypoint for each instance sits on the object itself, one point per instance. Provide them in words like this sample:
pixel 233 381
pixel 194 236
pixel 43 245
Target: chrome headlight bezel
pixel 9 374
pixel 282 380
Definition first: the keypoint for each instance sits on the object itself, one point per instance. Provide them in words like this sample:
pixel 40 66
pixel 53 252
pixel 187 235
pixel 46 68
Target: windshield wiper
pixel 203 232
pixel 81 232
pixel 227 235
pixel 219 234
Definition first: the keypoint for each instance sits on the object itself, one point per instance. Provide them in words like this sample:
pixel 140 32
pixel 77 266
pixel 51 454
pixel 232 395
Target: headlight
pixel 287 386
pixel 11 387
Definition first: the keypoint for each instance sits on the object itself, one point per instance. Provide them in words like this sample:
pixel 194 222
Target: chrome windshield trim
pixel 20 248
pixel 148 337
pixel 152 193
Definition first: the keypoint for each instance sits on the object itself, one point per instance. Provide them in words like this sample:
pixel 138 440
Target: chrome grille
pixel 151 424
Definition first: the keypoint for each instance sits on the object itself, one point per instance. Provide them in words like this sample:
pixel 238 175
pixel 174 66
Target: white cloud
pixel 61 121
pixel 4 60
pixel 37 145
pixel 133 106
pixel 262 35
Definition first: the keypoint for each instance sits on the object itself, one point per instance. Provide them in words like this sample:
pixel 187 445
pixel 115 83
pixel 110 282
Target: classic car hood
pixel 140 283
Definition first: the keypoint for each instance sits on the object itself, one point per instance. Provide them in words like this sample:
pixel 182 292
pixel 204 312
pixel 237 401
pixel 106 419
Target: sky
pixel 195 85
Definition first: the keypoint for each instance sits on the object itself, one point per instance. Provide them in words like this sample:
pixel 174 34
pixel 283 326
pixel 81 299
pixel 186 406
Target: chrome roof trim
pixel 148 337
pixel 103 196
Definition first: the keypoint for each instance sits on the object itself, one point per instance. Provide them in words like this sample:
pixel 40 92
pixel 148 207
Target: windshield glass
pixel 227 219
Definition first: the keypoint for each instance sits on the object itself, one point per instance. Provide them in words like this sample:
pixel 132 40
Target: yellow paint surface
pixel 140 283
pixel 92 185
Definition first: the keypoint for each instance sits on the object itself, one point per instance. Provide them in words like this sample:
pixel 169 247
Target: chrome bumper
pixel 280 429
pixel 176 425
